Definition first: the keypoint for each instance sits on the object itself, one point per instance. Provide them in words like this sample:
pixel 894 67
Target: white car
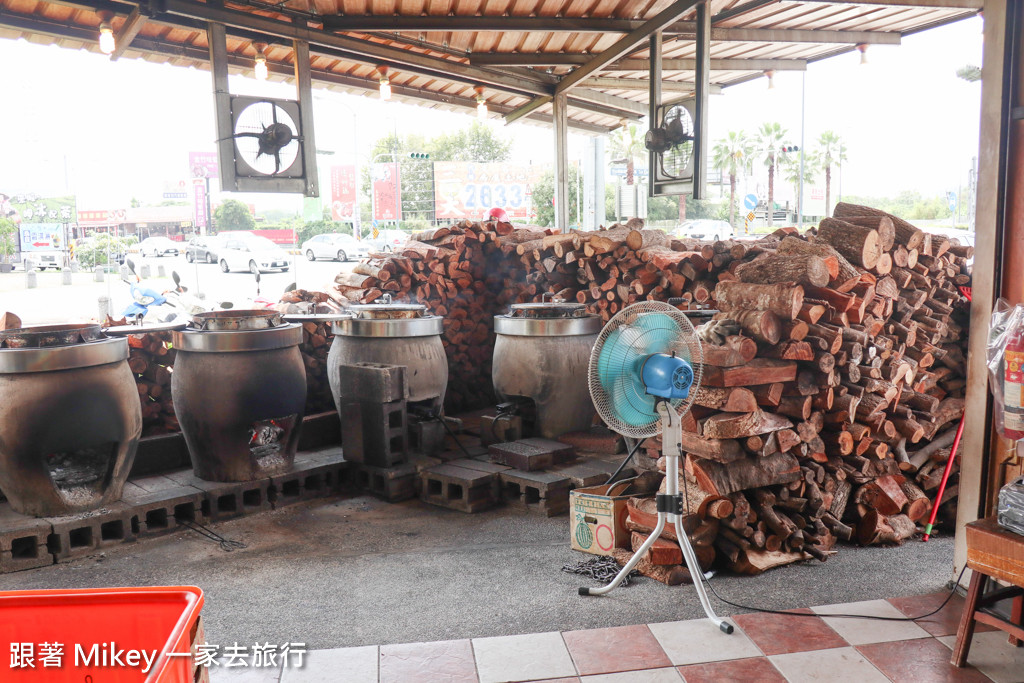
pixel 705 229
pixel 252 253
pixel 160 246
pixel 389 240
pixel 336 246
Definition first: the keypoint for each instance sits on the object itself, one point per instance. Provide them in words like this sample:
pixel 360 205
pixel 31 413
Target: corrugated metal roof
pixel 440 68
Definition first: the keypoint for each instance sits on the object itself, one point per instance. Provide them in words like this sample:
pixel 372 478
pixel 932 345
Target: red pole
pixel 945 478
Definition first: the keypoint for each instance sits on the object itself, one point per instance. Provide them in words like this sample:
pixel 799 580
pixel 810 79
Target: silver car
pixel 337 246
pixel 705 229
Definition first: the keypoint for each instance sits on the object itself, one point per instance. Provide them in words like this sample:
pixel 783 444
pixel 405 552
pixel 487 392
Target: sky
pixel 110 131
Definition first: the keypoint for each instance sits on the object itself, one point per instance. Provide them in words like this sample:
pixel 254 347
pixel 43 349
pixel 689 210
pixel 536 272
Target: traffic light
pixel 790 149
pixel 419 155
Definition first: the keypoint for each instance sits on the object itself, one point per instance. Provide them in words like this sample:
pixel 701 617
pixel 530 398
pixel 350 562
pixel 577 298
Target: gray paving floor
pixel 358 571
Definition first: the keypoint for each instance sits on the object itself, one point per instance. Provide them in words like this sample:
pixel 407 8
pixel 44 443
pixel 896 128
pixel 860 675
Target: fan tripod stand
pixel 670 509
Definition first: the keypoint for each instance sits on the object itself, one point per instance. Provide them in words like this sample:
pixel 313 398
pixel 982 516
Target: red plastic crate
pixel 147 619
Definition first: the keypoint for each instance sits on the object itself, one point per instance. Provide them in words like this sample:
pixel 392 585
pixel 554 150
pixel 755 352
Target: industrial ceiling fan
pixel 645 369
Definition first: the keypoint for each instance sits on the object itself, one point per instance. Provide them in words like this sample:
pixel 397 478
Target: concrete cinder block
pixel 375 433
pixel 542 492
pixel 427 437
pixel 75 536
pixel 372 383
pixel 157 511
pixel 500 429
pixel 531 454
pixel 313 475
pixel 459 488
pixel 393 484
pixel 22 541
pixel 226 500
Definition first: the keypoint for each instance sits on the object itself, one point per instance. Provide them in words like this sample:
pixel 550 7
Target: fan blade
pixel 273 112
pixel 244 135
pixel 277 162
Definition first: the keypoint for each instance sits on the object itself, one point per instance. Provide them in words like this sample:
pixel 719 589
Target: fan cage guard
pixel 250 117
pixel 676 161
pixel 686 345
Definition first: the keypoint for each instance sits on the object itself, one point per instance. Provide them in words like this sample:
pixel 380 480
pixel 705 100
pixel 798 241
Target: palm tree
pixel 628 146
pixel 731 155
pixel 831 150
pixel 768 143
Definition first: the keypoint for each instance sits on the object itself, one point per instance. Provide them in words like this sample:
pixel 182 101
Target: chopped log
pixel 768 394
pixel 875 528
pixel 783 300
pixel 663 552
pixel 748 473
pixel 757 371
pixel 642 239
pixel 721 450
pixel 804 269
pixel 742 425
pixel 670 576
pixel 752 562
pixel 9 321
pixel 845 270
pixel 763 326
pixel 735 351
pixel 860 245
pixel 906 234
pixel 918 504
pixel 732 400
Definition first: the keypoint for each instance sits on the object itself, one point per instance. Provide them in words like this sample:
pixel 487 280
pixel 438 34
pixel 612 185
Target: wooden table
pixel 992 553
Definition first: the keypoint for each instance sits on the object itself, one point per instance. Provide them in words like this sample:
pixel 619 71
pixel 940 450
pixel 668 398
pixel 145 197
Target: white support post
pixel 561 117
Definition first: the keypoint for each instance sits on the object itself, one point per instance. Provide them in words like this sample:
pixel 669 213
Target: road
pixel 51 302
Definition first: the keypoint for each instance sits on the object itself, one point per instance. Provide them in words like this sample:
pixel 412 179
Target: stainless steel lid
pixel 428 326
pixel 547 327
pixel 40 336
pixel 228 341
pixel 388 311
pixel 45 359
pixel 548 310
pixel 259 319
pixel 315 317
pixel 128 330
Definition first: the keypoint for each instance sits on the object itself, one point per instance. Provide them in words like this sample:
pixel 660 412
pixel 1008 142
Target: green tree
pixel 768 144
pixel 663 209
pixel 831 150
pixel 731 155
pixel 628 147
pixel 233 215
pixel 479 142
pixel 101 249
pixel 544 194
pixel 7 230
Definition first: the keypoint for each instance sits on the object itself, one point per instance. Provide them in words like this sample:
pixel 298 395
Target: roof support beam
pixel 129 29
pixel 948 4
pixel 588 25
pixel 559 59
pixel 641 84
pixel 627 43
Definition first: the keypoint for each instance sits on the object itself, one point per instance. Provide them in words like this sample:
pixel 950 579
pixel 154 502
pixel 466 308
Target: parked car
pixel 159 246
pixel 203 249
pixel 389 240
pixel 705 229
pixel 336 246
pixel 252 253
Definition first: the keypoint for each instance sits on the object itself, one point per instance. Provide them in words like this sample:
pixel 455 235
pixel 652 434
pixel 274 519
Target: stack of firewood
pixel 316 343
pixel 151 359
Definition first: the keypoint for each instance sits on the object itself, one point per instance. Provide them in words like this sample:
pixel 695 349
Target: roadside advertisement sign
pixel 176 189
pixel 343 192
pixel 202 164
pixel 464 189
pixel 387 193
pixel 199 202
pixel 41 221
pixel 814 201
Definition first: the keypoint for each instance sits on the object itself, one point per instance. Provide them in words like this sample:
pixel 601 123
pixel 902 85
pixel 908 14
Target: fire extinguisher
pixel 1013 385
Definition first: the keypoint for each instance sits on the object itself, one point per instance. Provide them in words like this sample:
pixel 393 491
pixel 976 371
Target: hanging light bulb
pixel 863 47
pixel 481 103
pixel 770 74
pixel 385 83
pixel 107 43
pixel 260 68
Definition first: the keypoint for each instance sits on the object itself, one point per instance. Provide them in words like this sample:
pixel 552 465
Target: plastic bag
pixel 1005 361
pixel 1010 510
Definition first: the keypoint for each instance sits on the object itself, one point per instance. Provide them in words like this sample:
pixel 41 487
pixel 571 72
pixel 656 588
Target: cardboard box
pixel 597 514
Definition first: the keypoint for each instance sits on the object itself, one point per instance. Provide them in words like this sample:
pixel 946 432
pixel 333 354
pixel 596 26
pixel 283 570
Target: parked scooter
pixel 165 306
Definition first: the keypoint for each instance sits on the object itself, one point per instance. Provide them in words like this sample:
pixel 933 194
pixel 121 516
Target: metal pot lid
pixel 427 326
pixel 231 320
pixel 128 330
pixel 388 311
pixel 548 310
pixel 315 317
pixel 44 336
pixel 229 341
pixel 547 327
pixel 46 359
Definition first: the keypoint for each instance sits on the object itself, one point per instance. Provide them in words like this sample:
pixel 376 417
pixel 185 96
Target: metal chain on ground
pixel 226 544
pixel 602 569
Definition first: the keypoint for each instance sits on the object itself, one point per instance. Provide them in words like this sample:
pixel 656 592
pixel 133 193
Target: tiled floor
pixel 765 648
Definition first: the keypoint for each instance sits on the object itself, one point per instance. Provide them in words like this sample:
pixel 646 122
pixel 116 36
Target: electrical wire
pixel 707 581
pixel 628 457
pixel 444 423
pixel 226 544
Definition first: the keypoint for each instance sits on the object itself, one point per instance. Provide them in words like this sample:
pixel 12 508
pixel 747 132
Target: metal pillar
pixel 304 87
pixel 593 185
pixel 988 259
pixel 560 115
pixel 654 44
pixel 702 93
pixel 216 36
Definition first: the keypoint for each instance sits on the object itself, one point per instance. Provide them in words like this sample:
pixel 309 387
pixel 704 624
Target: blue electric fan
pixel 645 370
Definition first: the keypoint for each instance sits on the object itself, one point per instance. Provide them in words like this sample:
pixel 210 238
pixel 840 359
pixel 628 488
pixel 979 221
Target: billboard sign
pixel 202 164
pixel 464 189
pixel 387 193
pixel 175 189
pixel 199 202
pixel 41 221
pixel 343 192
